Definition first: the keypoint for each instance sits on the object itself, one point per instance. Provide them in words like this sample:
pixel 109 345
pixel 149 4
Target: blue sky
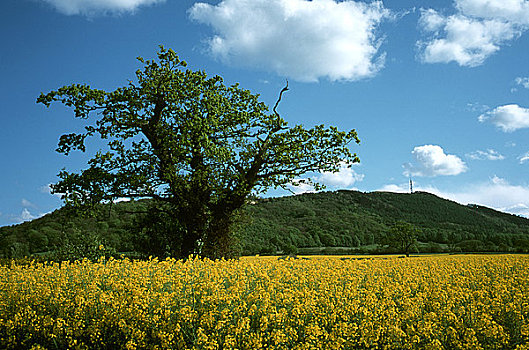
pixel 437 90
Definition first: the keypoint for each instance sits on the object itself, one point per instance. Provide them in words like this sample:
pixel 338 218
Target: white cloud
pixel 431 20
pixel 299 187
pixel 508 118
pixel 524 158
pixel 489 154
pixel 512 11
pixel 26 215
pixel 343 179
pixel 91 7
pixel 522 81
pixel 300 39
pixel 430 160
pixel 395 188
pixel 497 193
pixel 475 32
pixel 520 209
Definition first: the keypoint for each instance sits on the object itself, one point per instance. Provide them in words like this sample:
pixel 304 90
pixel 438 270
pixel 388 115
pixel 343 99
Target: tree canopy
pixel 197 147
pixel 403 236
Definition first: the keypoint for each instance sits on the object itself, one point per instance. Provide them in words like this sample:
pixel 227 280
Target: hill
pixel 355 219
pixel 332 222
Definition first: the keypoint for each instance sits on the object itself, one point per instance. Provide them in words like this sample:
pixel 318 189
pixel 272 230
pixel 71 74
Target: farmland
pixel 429 302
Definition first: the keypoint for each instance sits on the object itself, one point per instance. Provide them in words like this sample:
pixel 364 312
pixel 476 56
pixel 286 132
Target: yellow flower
pixel 433 302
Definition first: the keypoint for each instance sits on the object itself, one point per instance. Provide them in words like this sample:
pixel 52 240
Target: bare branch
pixel 279 99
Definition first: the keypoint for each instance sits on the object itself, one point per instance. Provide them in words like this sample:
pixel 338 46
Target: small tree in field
pixel 198 148
pixel 402 236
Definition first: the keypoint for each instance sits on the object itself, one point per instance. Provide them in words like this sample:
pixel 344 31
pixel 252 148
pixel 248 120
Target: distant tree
pixel 402 236
pixel 327 239
pixel 197 147
pixel 453 239
pixel 38 241
pixel 521 244
pixel 356 241
pixel 369 238
pixel 472 245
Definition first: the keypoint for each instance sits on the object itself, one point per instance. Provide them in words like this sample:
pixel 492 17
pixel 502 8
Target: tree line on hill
pixel 360 220
pixel 326 222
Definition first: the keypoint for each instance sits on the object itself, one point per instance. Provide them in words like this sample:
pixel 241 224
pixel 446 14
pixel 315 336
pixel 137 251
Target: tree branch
pixel 279 99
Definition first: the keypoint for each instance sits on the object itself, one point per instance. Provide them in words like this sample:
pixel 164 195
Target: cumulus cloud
pixel 496 193
pixel 524 158
pixel 300 39
pixel 512 11
pixel 343 179
pixel 92 7
pixel 489 154
pixel 431 160
pixel 508 118
pixel 476 31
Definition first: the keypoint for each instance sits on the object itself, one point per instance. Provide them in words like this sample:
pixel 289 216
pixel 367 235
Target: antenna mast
pixel 411 185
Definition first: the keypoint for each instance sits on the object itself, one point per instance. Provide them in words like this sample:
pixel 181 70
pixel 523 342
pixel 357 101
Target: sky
pixel 438 91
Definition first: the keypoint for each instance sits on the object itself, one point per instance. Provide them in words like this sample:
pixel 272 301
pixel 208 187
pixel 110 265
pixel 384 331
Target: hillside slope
pixel 352 218
pixel 325 219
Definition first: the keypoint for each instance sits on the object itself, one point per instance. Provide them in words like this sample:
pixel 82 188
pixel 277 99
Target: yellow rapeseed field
pixel 438 302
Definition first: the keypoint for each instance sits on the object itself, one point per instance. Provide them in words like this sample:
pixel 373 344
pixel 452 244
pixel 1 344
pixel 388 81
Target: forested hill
pixel 354 219
pixel 328 222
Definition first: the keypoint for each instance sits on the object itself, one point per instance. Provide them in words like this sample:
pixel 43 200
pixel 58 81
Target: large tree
pixel 197 147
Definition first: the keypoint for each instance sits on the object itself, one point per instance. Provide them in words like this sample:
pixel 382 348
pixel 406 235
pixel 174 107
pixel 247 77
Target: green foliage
pixel 66 234
pixel 82 245
pixel 356 221
pixel 402 236
pixel 157 233
pixel 195 146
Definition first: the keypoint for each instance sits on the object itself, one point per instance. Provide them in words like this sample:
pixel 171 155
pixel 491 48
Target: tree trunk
pixel 193 217
pixel 218 241
pixel 188 245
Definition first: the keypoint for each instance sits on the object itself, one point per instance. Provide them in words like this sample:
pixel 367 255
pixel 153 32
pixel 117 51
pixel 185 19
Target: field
pixel 433 302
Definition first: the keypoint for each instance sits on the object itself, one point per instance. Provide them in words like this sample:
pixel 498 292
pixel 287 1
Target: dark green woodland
pixel 339 222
